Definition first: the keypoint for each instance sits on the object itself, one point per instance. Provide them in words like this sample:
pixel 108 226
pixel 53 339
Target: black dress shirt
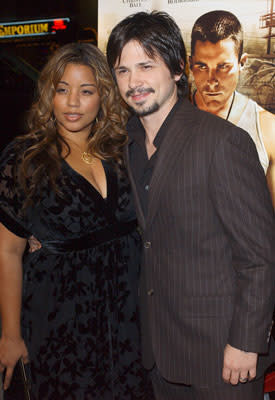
pixel 142 167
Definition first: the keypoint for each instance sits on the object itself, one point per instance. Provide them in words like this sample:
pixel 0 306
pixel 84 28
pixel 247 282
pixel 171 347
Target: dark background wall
pixel 21 59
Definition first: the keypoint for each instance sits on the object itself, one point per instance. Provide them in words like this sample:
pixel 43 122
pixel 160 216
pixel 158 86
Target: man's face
pixel 215 68
pixel 145 83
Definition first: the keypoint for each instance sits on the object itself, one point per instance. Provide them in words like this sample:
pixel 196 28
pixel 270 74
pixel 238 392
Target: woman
pixel 65 183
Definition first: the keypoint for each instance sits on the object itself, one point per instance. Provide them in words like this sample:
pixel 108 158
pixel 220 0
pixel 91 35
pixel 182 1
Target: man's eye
pixel 223 67
pixel 147 67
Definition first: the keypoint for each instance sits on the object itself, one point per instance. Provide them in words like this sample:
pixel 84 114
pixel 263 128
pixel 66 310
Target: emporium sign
pixel 33 28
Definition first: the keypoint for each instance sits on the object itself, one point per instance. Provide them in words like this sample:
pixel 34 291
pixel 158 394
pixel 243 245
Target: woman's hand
pixel 11 350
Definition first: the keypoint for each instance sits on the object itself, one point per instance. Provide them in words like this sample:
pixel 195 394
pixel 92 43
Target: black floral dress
pixel 79 312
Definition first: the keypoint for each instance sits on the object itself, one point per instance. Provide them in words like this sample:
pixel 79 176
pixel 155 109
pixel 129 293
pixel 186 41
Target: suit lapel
pixel 179 130
pixel 139 211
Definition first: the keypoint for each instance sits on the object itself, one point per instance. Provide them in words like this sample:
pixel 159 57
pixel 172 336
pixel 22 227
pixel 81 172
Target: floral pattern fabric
pixel 79 312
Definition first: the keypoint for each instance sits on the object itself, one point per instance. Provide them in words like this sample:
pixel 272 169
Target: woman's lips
pixel 72 117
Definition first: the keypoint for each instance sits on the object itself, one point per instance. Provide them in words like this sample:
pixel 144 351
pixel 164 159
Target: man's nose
pixel 135 80
pixel 212 75
pixel 212 79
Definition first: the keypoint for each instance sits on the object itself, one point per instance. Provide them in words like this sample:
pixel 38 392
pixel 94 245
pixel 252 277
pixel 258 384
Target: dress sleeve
pixel 12 215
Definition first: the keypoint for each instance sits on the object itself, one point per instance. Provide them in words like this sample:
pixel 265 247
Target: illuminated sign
pixel 33 28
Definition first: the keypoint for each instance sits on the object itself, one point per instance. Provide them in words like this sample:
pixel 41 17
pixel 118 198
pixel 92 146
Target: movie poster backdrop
pixel 257 78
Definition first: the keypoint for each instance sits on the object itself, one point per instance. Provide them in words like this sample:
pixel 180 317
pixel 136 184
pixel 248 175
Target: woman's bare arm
pixel 12 346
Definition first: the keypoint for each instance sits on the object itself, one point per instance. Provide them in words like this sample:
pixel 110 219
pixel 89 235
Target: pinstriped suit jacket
pixel 208 273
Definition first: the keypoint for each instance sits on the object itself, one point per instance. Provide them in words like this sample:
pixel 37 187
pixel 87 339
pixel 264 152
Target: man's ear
pixel 177 77
pixel 243 59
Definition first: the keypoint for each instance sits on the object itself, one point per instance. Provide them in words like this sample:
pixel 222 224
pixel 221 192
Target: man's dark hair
pixel 158 34
pixel 215 26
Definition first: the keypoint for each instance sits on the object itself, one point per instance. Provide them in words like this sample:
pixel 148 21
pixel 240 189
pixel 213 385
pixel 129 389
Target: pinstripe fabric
pixel 209 256
pixel 165 390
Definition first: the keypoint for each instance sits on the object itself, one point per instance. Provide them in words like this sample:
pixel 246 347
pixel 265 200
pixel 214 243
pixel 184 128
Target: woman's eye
pixel 60 90
pixel 87 92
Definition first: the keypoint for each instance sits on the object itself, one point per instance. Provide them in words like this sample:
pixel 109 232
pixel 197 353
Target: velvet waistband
pixel 93 239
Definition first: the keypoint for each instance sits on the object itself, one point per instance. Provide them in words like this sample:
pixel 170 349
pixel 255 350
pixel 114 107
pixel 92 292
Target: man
pixel 216 61
pixel 207 277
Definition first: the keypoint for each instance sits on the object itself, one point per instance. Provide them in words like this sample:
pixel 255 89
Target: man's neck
pixel 153 122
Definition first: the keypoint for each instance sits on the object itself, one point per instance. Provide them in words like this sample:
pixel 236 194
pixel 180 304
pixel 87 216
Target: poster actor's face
pixel 145 83
pixel 215 68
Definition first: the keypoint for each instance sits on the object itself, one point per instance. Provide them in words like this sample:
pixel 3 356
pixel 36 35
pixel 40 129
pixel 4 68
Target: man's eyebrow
pixel 200 63
pixel 120 67
pixel 225 62
pixel 141 64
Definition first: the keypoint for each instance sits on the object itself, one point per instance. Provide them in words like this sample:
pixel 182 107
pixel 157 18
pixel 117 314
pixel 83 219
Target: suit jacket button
pixel 147 245
pixel 150 292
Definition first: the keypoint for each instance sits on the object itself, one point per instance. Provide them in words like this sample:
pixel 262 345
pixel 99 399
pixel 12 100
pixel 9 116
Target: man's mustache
pixel 132 92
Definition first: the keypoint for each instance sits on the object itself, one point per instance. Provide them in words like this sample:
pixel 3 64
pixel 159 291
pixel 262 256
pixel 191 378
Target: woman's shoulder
pixel 9 153
pixel 15 149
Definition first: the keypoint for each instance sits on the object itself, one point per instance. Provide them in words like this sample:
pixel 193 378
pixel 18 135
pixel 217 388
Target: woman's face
pixel 76 101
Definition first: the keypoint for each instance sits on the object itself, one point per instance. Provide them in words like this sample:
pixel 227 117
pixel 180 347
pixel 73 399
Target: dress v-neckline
pixel 107 204
pixel 89 184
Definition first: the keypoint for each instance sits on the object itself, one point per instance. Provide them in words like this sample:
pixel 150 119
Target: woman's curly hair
pixel 42 158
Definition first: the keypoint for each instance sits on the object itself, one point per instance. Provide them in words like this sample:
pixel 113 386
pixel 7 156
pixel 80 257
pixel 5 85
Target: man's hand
pixel 34 244
pixel 238 365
